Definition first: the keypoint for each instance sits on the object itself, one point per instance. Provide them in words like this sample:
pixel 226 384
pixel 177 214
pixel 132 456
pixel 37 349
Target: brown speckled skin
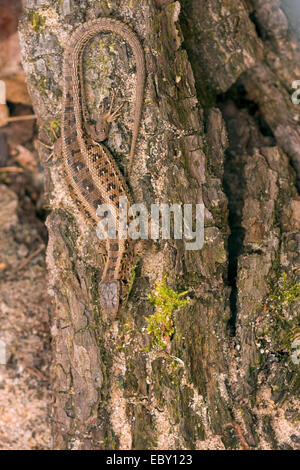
pixel 90 171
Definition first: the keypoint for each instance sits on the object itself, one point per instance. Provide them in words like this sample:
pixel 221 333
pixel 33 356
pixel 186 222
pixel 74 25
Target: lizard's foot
pixel 55 147
pixel 49 147
pixel 99 132
pixel 112 116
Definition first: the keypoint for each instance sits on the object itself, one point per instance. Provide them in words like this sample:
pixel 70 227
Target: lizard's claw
pixel 50 147
pixel 110 116
pixel 101 130
pixel 113 116
pixel 54 149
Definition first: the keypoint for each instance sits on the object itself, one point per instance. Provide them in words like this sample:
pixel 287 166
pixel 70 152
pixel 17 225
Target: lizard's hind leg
pixel 112 116
pixel 55 147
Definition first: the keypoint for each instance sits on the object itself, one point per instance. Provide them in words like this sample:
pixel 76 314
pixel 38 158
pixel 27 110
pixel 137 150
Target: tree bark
pixel 213 131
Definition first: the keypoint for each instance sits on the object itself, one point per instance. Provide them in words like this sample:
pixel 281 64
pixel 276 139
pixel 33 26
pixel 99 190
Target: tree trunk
pixel 218 127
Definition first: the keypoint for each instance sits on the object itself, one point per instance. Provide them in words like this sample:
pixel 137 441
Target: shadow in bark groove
pixel 246 130
pixel 236 237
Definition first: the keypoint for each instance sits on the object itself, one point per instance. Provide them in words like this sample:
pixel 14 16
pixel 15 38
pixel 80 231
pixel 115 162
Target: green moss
pixel 169 11
pixel 55 125
pixel 37 22
pixel 41 85
pixel 280 328
pixel 166 300
pixel 132 279
pixel 52 129
pixel 288 292
pixel 88 63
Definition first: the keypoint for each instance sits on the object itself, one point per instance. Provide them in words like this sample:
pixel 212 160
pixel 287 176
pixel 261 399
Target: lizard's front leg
pixel 99 131
pixel 55 147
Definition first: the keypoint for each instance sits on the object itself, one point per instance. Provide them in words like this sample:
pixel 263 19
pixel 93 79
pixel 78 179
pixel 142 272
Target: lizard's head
pixel 102 128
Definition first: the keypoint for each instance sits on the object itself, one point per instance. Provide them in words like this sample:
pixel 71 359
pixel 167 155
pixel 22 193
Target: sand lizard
pixel 91 174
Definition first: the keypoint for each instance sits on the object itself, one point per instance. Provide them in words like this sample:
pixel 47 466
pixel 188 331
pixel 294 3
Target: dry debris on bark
pixel 24 302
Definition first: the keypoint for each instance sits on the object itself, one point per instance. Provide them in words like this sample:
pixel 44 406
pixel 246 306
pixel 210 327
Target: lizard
pixel 89 169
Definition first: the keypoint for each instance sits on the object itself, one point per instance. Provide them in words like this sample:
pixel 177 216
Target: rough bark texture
pixel 218 127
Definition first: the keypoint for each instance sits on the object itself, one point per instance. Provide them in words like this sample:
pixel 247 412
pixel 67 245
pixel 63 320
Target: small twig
pixel 37 373
pixel 29 258
pixel 6 120
pixel 11 169
pixel 240 435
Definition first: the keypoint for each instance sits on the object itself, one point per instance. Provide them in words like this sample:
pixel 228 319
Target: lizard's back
pixel 91 174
